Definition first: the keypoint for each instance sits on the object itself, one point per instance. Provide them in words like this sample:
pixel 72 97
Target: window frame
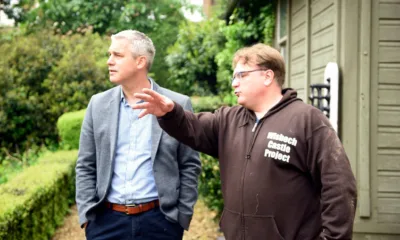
pixel 282 41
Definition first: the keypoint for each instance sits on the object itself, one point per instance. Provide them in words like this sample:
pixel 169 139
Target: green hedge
pixel 34 202
pixel 69 127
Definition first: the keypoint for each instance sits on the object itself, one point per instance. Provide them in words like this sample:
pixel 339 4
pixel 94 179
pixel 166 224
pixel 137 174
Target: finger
pixel 143 113
pixel 143 96
pixel 158 97
pixel 144 105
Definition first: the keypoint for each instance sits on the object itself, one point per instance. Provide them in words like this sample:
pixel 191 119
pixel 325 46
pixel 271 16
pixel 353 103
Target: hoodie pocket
pixel 261 227
pixel 230 224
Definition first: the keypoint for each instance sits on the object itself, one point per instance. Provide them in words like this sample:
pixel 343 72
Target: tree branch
pixel 10 156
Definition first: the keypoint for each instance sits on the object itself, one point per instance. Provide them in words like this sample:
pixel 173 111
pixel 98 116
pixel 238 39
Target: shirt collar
pixel 123 96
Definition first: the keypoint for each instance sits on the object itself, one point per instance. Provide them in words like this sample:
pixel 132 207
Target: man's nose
pixel 110 61
pixel 235 83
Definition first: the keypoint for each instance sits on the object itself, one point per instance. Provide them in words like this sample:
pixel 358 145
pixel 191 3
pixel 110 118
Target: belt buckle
pixel 127 206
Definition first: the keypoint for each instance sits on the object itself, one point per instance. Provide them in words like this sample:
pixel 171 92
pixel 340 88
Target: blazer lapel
pixel 155 130
pixel 114 107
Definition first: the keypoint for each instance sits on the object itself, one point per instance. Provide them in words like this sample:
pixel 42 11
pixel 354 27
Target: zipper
pixel 255 132
pixel 255 126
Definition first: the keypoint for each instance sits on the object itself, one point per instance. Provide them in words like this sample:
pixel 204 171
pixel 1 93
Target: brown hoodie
pixel 286 176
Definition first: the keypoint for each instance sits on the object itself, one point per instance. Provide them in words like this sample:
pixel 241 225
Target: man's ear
pixel 268 77
pixel 141 62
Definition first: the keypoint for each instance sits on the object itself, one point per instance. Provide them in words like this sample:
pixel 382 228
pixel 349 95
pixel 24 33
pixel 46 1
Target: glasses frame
pixel 238 76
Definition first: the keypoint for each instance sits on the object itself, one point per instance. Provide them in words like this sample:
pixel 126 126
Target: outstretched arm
pixel 199 131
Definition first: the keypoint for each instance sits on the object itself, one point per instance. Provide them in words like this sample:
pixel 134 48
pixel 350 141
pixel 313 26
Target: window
pixel 282 18
pixel 282 27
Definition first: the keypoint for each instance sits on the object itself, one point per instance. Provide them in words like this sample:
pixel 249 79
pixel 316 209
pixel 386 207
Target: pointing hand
pixel 154 103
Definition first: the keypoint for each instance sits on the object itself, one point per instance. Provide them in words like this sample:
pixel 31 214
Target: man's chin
pixel 240 101
pixel 115 81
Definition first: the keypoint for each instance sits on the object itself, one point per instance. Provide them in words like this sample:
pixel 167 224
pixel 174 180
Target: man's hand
pixel 155 103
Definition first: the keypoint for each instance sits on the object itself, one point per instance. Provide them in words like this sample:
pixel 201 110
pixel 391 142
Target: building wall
pixel 297 69
pixel 385 110
pixel 363 37
pixel 378 119
pixel 312 42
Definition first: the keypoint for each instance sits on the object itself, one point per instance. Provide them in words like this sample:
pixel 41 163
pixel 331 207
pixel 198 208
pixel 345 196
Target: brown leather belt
pixel 133 208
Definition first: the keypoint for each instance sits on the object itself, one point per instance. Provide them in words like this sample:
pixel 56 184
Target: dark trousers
pixel 150 225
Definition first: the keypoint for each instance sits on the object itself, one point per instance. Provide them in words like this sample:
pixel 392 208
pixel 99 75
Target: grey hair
pixel 141 45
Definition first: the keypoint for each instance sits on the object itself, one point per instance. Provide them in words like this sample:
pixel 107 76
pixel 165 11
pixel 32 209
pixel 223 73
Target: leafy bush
pixel 25 63
pixel 34 203
pixel 200 62
pixel 210 184
pixel 209 180
pixel 191 63
pixel 41 77
pixel 69 128
pixel 206 104
pixel 79 74
pixel 246 27
pixel 157 18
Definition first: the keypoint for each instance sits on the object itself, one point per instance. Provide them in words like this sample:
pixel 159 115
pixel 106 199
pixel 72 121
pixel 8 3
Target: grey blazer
pixel 176 167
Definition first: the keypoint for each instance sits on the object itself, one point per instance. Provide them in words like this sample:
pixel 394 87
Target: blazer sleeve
pixel 189 168
pixel 86 167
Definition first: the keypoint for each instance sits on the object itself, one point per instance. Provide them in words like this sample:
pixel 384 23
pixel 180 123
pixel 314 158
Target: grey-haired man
pixel 133 181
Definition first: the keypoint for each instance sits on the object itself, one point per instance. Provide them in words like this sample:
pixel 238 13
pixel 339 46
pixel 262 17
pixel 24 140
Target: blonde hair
pixel 263 56
pixel 141 45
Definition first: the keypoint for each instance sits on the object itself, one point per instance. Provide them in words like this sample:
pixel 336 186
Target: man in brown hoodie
pixel 284 172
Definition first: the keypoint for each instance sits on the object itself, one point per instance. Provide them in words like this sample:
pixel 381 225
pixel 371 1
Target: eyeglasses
pixel 239 75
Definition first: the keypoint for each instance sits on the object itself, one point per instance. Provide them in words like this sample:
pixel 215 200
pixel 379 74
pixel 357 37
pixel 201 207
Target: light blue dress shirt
pixel 133 180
